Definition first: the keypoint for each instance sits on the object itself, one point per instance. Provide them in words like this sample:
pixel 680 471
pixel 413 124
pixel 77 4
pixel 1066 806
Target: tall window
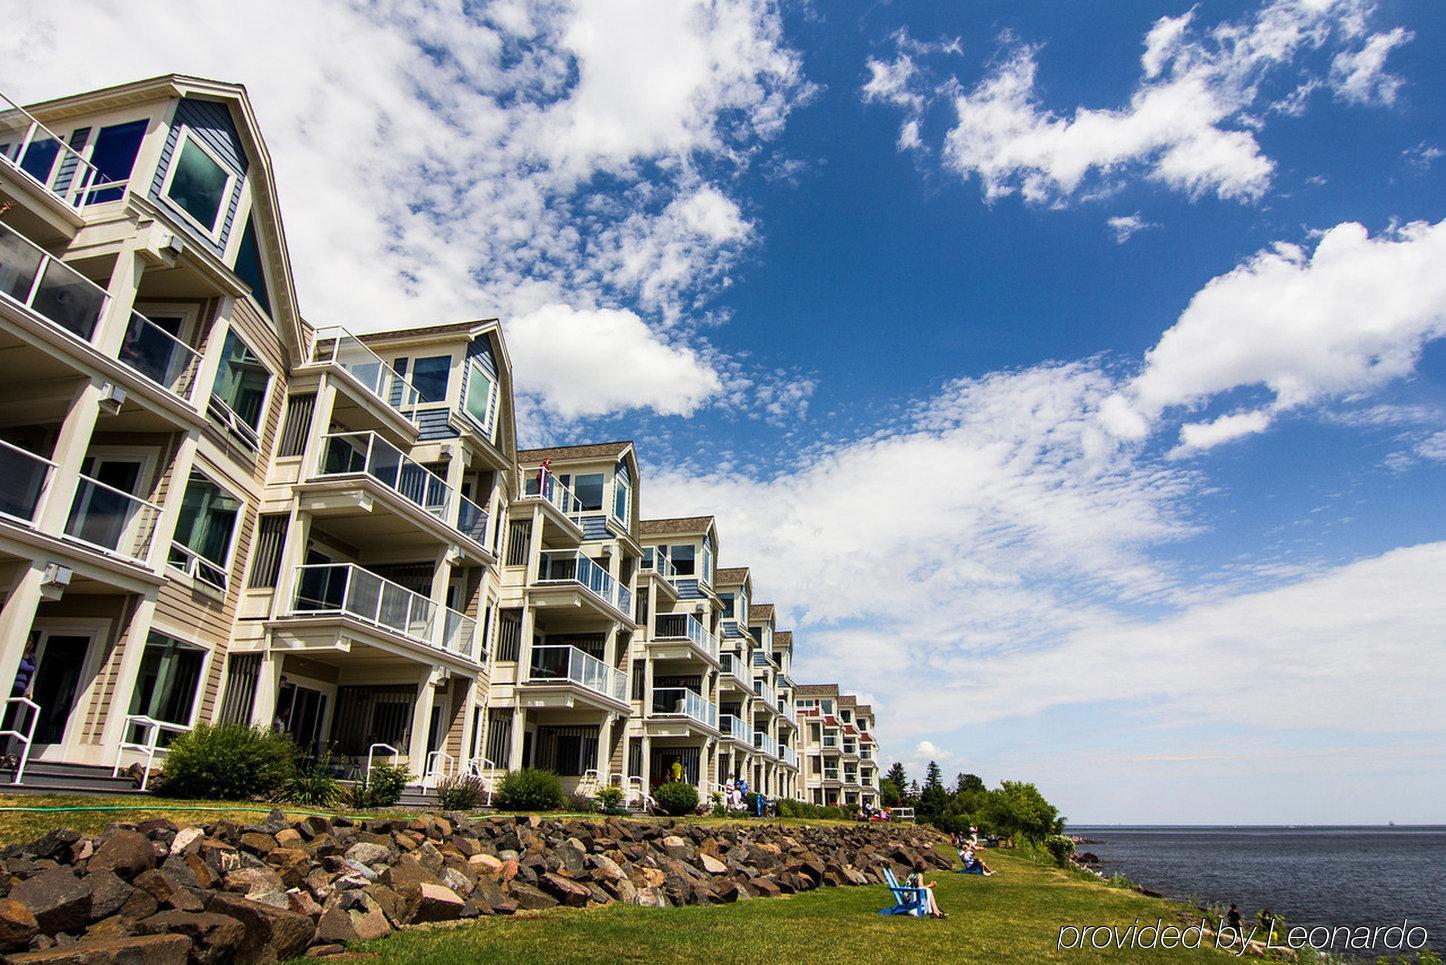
pixel 113 157
pixel 480 396
pixel 248 265
pixel 205 530
pixel 707 560
pixel 589 491
pixel 622 499
pixel 683 557
pixel 168 680
pixel 728 602
pixel 199 184
pixel 240 389
pixel 429 377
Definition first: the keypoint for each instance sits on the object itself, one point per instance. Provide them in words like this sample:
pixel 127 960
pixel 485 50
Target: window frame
pixel 230 540
pixel 262 409
pixel 186 135
pixel 621 488
pixel 446 386
pixel 488 423
pixel 692 559
pixel 177 637
pixel 89 154
pixel 602 506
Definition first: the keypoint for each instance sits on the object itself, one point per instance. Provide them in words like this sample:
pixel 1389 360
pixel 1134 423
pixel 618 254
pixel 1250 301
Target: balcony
pixel 733 728
pixel 764 691
pixel 684 628
pixel 42 159
pixel 765 743
pixel 570 569
pixel 557 664
pixel 24 481
pixel 562 507
pixel 736 673
pixel 660 566
pixel 355 465
pixel 111 520
pixel 684 703
pixel 785 708
pixel 789 756
pixel 73 304
pixel 349 592
pixel 369 382
pixel 830 744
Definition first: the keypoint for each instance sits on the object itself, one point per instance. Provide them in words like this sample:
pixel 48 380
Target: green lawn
pixel 1011 917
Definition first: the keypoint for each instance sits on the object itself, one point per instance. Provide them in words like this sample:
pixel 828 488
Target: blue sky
pixel 1071 375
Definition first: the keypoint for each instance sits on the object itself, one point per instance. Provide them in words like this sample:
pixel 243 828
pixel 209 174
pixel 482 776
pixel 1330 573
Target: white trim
pixel 172 569
pixel 98 630
pixel 183 137
pixel 189 312
pixel 266 397
pixel 186 637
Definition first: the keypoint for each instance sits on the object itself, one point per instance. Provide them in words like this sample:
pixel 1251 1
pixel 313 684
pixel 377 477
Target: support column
pixel 268 686
pixel 125 280
pixel 421 722
pixel 165 530
pixel 70 450
pixel 16 617
pixel 605 747
pixel 293 554
pixel 137 630
pixel 519 730
pixel 647 763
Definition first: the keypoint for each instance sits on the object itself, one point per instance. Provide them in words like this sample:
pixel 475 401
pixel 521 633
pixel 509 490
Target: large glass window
pixel 168 680
pixel 727 599
pixel 589 491
pixel 114 156
pixel 683 556
pixel 429 377
pixel 248 266
pixel 479 396
pixel 204 530
pixel 622 497
pixel 241 382
pixel 199 184
pixel 707 562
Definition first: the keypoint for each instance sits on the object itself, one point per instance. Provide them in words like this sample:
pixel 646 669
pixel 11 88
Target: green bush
pixel 228 763
pixel 529 789
pixel 1060 848
pixel 578 803
pixel 461 793
pixel 677 798
pixel 610 800
pixel 381 788
pixel 803 809
pixel 315 785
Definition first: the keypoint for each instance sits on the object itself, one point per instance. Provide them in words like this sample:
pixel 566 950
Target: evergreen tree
pixel 934 799
pixel 897 775
pixel 968 784
pixel 913 795
pixel 934 780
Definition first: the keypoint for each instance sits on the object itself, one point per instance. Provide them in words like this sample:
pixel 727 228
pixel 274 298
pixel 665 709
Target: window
pixel 199 184
pixel 429 378
pixel 589 491
pixel 479 396
pixel 248 266
pixel 683 557
pixel 113 157
pixel 270 540
pixel 204 531
pixel 707 561
pixel 727 599
pixel 169 677
pixel 827 706
pixel 299 410
pixel 240 389
pixel 622 499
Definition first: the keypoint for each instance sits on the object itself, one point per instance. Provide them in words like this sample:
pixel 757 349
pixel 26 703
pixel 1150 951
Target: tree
pixel 913 794
pixel 934 799
pixel 897 775
pixel 934 778
pixel 1017 809
pixel 968 784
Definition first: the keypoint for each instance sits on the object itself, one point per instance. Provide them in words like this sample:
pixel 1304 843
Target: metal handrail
pixel 136 509
pixel 692 629
pixel 419 622
pixel 429 769
pixel 593 578
pixel 71 301
pixel 26 738
pixel 76 192
pixel 149 747
pixel 178 360
pixel 583 669
pixel 371 751
pixel 689 704
pixel 733 727
pixel 376 376
pixel 552 490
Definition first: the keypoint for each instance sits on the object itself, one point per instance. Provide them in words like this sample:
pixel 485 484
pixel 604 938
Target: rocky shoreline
pixel 152 892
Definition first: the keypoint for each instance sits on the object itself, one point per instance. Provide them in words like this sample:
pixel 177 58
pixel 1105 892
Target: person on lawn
pixel 973 861
pixel 931 906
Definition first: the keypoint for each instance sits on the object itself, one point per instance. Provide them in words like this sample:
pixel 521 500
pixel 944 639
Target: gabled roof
pixel 782 638
pixel 864 709
pixel 679 525
pixel 760 611
pixel 816 690
pixel 591 450
pixel 848 700
pixel 730 576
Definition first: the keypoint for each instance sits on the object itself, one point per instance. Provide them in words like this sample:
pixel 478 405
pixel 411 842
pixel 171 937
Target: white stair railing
pixel 149 745
pixel 371 753
pixel 482 769
pixel 432 774
pixel 15 733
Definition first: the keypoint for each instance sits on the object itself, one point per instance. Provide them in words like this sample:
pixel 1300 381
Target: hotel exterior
pixel 212 511
pixel 838 760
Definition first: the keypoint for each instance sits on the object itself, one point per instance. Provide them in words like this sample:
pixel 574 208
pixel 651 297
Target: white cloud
pixel 1189 124
pixel 1347 318
pixel 1126 226
pixel 438 161
pixel 589 362
pixel 1433 447
pixel 1203 435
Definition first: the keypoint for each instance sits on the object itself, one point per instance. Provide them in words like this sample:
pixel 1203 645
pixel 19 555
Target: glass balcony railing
pixel 571 566
pixel 658 563
pixel 765 743
pixel 159 356
pixel 112 520
pixel 763 690
pixel 682 702
pixel 685 626
pixel 337 589
pixel 44 158
pixel 788 755
pixel 336 346
pixel 24 480
pixel 557 662
pixel 733 666
pixel 785 707
pixel 539 484
pixel 733 727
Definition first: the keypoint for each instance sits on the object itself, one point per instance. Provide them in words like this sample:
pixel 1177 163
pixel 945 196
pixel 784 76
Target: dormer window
pixel 622 499
pixel 684 557
pixel 728 601
pixel 481 397
pixel 199 184
pixel 589 492
pixel 429 377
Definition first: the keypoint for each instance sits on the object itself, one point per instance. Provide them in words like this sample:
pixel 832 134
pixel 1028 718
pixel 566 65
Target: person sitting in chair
pixel 931 906
pixel 973 864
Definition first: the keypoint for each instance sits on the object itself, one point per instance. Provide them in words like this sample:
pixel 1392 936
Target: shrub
pixel 529 789
pixel 381 788
pixel 716 805
pixel 229 763
pixel 803 809
pixel 750 802
pixel 579 803
pixel 461 793
pixel 1060 848
pixel 315 785
pixel 609 800
pixel 677 798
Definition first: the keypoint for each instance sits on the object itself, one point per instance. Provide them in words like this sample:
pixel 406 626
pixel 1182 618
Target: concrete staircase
pixel 47 777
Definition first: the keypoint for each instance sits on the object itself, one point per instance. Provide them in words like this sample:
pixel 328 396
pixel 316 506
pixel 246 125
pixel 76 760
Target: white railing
pixel 850 750
pixel 685 626
pixel 635 792
pixel 733 727
pixel 762 689
pixel 368 454
pixel 765 743
pixel 830 774
pixel 24 481
pixel 196 566
pixel 785 707
pixel 336 346
pixel 588 784
pixel 571 566
pixel 484 771
pixel 789 756
pixel 158 355
pixel 682 702
pixel 471 520
pixel 439 766
pixel 547 487
pixel 47 286
pixel 334 589
pixel 23 737
pixel 42 156
pixel 371 754
pixel 901 814
pixel 148 745
pixel 561 662
pixel 112 520
pixel 734 665
pixel 659 563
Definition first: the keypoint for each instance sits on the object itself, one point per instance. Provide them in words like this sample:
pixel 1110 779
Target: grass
pixel 1012 917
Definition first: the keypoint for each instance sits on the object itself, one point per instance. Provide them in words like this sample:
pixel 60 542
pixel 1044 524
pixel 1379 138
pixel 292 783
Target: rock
pixel 258 842
pixel 270 933
pixel 676 847
pixel 127 853
pixel 289 838
pixel 131 950
pixel 489 897
pixel 215 938
pixel 529 898
pixel 167 893
pixel 335 925
pixel 438 903
pixel 324 951
pixel 368 919
pixel 57 898
pixel 368 854
pixel 565 890
pixel 55 844
pixel 487 863
pixel 17 925
pixel 108 893
pixel 711 864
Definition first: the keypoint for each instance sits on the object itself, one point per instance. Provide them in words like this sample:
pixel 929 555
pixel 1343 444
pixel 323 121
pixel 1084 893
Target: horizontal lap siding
pixel 688 590
pixel 434 425
pixel 595 528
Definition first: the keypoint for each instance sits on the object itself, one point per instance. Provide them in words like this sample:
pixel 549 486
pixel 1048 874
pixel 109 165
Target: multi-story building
pixel 838 760
pixel 211 511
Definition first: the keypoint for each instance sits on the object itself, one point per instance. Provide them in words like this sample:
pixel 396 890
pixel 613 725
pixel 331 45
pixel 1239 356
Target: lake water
pixel 1312 875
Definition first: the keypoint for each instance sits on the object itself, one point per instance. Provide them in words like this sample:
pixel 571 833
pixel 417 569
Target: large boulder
pixel 125 950
pixel 58 899
pixel 271 933
pixel 127 853
pixel 215 937
pixel 17 925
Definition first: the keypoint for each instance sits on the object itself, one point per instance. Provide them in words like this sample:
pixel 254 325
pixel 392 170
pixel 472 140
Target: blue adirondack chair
pixel 972 868
pixel 907 901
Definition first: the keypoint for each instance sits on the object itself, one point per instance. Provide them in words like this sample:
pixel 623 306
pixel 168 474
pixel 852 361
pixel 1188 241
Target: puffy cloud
pixel 1126 226
pixel 1346 318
